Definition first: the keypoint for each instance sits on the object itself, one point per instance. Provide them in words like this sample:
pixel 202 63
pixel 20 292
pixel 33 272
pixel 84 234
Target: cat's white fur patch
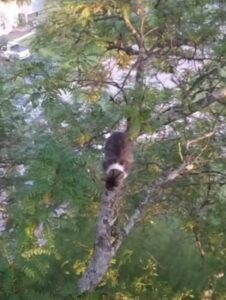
pixel 117 166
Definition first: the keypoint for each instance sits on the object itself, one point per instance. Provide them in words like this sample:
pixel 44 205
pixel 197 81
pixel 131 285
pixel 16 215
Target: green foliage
pixel 53 207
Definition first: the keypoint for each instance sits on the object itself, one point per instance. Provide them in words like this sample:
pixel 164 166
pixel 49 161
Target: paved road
pixel 19 33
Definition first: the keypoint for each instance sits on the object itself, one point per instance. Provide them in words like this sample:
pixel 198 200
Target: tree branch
pixel 107 244
pixel 152 197
pixel 104 250
pixel 175 112
pixel 128 50
pixel 131 28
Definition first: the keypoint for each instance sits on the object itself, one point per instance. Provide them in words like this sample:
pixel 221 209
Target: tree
pixel 112 57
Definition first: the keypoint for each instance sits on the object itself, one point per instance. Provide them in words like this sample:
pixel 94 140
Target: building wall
pixel 9 13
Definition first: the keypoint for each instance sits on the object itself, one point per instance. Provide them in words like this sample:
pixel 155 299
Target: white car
pixel 14 51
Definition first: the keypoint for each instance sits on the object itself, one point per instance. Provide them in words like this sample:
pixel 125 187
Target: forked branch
pixel 107 243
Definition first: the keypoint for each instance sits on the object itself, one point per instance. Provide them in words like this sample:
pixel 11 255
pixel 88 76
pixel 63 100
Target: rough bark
pixel 104 249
